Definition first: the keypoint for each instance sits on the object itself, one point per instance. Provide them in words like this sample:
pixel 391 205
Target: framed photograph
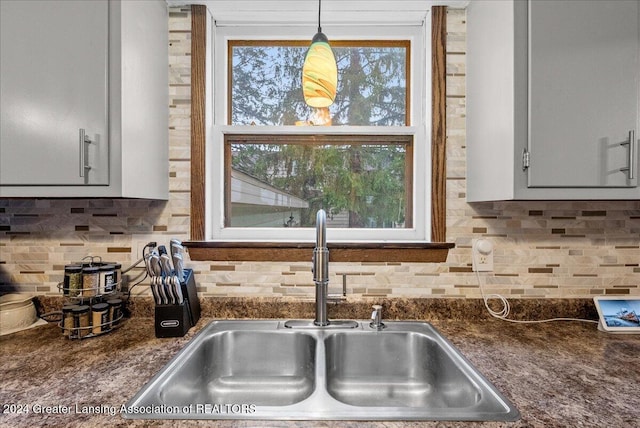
pixel 618 314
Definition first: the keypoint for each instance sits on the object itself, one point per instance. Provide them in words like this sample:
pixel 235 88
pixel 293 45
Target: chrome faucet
pixel 320 269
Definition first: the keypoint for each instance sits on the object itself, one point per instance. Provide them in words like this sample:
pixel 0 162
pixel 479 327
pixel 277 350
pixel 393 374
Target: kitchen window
pixel 362 159
pixel 258 152
pixel 280 181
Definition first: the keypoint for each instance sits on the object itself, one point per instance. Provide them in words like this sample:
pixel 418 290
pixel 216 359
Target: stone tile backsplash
pixel 542 249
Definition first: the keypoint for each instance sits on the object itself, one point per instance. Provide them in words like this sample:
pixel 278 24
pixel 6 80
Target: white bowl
pixel 17 311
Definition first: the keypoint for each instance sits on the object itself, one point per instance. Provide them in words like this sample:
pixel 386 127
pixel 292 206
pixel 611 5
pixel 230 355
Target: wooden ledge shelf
pixel 410 252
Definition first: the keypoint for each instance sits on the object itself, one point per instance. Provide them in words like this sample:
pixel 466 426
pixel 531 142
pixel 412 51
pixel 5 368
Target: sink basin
pixel 259 367
pixel 265 370
pixel 395 369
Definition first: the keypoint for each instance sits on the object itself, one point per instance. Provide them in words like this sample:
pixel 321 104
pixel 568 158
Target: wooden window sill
pixel 431 252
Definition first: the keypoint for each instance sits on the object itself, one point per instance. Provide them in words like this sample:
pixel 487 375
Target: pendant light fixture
pixel 320 72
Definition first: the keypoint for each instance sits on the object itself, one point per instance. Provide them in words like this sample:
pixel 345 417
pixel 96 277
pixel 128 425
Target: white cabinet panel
pixel 583 92
pixel 54 68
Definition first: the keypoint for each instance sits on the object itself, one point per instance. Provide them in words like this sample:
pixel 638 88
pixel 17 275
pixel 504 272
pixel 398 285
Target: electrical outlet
pixel 482 255
pixel 142 239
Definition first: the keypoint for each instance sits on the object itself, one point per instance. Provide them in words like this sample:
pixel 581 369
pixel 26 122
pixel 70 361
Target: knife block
pixel 176 320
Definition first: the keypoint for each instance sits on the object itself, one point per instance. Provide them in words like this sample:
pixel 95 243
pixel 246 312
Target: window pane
pixel 265 80
pixel 360 180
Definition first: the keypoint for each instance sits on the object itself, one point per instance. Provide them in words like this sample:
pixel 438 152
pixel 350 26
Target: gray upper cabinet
pixel 552 100
pixel 54 58
pixel 583 92
pixel 84 102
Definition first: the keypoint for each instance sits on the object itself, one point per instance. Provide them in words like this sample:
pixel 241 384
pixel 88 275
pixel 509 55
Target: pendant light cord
pixel 319 7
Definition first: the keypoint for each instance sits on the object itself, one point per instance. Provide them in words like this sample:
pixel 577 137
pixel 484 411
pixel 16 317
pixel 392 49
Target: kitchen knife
pixel 177 288
pixel 167 283
pixel 165 265
pixel 154 262
pixel 162 250
pixel 163 295
pixel 177 252
pixel 147 265
pixel 176 246
pixel 154 290
pixel 174 250
pixel 150 266
pixel 173 280
pixel 178 266
pixel 162 290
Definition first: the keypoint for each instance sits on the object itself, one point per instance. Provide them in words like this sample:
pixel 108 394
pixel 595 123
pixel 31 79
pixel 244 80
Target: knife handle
pixel 168 281
pixel 178 289
pixel 178 265
pixel 154 290
pixel 165 264
pixel 162 291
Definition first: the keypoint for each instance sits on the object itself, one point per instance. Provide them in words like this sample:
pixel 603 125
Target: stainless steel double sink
pixel 265 370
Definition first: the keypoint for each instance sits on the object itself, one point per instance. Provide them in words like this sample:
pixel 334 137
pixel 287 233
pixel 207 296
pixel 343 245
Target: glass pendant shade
pixel 319 73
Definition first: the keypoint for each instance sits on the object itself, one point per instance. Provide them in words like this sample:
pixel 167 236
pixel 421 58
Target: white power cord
pixel 503 313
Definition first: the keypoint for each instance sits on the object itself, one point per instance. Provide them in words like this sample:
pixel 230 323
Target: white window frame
pixel 420 129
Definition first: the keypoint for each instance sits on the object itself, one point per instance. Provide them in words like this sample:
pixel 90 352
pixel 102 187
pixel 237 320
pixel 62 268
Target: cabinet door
pixel 583 92
pixel 54 64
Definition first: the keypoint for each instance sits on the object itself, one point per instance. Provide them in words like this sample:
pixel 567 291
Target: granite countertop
pixel 557 374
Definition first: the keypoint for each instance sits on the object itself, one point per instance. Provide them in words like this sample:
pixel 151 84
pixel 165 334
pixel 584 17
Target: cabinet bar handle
pixel 632 155
pixel 83 141
pixel 82 152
